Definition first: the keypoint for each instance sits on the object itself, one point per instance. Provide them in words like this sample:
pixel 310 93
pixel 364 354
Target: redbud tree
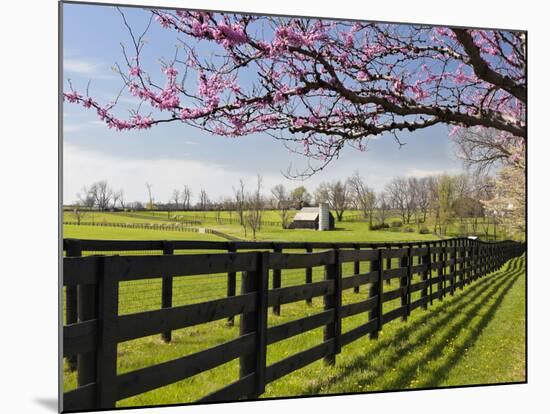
pixel 318 83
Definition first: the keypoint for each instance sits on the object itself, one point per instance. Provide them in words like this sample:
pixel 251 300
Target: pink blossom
pixel 232 35
pixel 299 122
pixel 134 71
pixel 171 71
pixel 142 122
pixel 362 75
pixel 454 130
pixel 72 96
pixel 87 103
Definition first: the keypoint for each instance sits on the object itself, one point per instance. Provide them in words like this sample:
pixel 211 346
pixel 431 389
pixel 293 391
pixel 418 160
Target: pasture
pixel 346 231
pixel 475 336
pixel 352 228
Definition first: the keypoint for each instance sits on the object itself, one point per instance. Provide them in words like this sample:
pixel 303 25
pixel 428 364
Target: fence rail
pixel 95 327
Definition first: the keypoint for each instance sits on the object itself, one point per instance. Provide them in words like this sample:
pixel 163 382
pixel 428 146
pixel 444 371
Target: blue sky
pixel 172 155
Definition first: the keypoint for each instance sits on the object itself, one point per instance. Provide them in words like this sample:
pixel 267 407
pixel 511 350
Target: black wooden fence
pixel 94 327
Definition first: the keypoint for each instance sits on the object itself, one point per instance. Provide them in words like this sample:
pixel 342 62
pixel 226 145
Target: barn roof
pixel 307 214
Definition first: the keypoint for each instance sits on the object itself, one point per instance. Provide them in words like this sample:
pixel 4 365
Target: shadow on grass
pixel 453 316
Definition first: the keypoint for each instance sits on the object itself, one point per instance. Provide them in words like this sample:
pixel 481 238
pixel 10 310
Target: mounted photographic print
pixel 260 207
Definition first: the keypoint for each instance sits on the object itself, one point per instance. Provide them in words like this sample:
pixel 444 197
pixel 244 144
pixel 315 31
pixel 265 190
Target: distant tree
pixel 121 199
pixel 204 200
pixel 85 198
pixel 101 193
pixel 401 197
pixel 186 197
pixel 363 196
pixel 116 199
pixel 255 208
pixel 240 203
pixel 176 198
pixel 446 196
pixel 508 202
pixel 136 205
pixel 300 197
pixel 421 190
pixel 336 194
pixel 467 207
pixel 79 213
pixel 282 202
pixel 151 200
pixel 383 206
pixel 484 149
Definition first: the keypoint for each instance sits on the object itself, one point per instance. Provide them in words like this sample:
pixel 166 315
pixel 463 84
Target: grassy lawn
pixel 356 230
pixel 115 233
pixel 475 336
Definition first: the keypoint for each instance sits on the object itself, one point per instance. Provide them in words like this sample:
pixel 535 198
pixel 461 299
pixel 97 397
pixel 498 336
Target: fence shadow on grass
pixel 455 315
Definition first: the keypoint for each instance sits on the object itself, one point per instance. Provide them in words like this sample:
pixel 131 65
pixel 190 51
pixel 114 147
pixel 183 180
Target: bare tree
pixel 401 197
pixel 383 204
pixel 282 202
pixel 240 202
pixel 483 149
pixel 422 195
pixel 102 194
pixel 256 205
pixel 362 195
pixel 336 194
pixel 85 198
pixel 186 195
pixel 116 199
pixel 150 203
pixel 79 213
pixel 176 198
pixel 121 200
pixel 204 201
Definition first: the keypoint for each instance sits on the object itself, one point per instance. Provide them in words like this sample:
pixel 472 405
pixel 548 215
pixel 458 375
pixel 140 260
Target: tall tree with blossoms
pixel 319 85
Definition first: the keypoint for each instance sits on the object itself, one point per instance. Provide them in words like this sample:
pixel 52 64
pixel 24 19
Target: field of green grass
pixel 475 336
pixel 357 231
pixel 115 233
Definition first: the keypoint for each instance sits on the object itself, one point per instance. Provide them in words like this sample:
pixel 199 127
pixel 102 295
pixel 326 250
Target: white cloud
pixel 81 126
pixel 419 173
pixel 83 167
pixel 88 68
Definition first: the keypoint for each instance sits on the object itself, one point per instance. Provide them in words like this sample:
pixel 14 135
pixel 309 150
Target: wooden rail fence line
pixel 92 285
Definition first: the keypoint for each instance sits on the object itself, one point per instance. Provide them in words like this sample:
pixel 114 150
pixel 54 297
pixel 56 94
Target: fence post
pixel 452 266
pixel 333 330
pixel 388 264
pixel 405 282
pixel 462 262
pixel 356 270
pixel 309 275
pixel 277 280
pixel 231 284
pixel 86 363
pixel 376 289
pixel 167 288
pixel 107 344
pixel 74 249
pixel 440 272
pixel 256 321
pixel 426 276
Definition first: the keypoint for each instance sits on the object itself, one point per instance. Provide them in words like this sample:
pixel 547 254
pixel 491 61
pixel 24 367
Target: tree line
pixel 444 198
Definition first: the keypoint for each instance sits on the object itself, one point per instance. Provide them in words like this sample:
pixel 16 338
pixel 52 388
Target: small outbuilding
pixel 314 218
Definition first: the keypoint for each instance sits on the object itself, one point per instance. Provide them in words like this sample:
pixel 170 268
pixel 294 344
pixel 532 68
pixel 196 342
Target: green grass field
pixel 357 230
pixel 475 336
